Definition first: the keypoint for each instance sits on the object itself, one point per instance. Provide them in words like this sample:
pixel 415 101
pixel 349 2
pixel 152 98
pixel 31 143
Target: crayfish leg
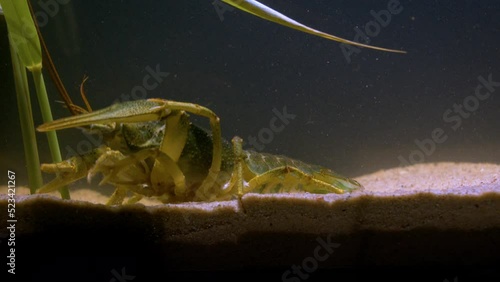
pixel 134 199
pixel 164 168
pixel 214 170
pixel 118 196
pixel 342 182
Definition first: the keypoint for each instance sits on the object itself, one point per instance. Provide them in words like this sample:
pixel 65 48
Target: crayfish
pixel 152 149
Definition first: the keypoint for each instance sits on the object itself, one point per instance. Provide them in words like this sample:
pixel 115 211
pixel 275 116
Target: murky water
pixel 355 114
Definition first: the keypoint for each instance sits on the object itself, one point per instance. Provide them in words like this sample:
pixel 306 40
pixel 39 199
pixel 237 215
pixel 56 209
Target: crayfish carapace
pixel 152 149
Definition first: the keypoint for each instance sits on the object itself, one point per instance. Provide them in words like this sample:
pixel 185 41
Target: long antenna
pixel 54 75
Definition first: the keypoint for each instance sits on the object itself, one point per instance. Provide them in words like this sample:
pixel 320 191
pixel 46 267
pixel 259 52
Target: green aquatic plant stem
pixel 43 102
pixel 27 124
pixel 26 51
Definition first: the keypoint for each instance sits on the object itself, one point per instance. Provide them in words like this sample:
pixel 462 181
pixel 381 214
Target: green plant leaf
pixel 255 8
pixel 22 32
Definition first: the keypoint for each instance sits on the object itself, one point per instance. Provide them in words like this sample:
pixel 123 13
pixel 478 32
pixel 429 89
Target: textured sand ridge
pixel 444 213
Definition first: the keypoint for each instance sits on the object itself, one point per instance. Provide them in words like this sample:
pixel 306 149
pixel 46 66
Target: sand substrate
pixel 426 215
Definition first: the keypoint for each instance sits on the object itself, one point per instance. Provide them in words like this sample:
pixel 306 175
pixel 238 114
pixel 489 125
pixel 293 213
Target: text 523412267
pixel 11 221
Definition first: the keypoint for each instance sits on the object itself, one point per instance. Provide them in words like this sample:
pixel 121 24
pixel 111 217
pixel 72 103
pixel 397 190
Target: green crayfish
pixel 152 149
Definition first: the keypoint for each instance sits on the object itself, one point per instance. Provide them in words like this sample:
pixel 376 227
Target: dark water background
pixel 355 117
